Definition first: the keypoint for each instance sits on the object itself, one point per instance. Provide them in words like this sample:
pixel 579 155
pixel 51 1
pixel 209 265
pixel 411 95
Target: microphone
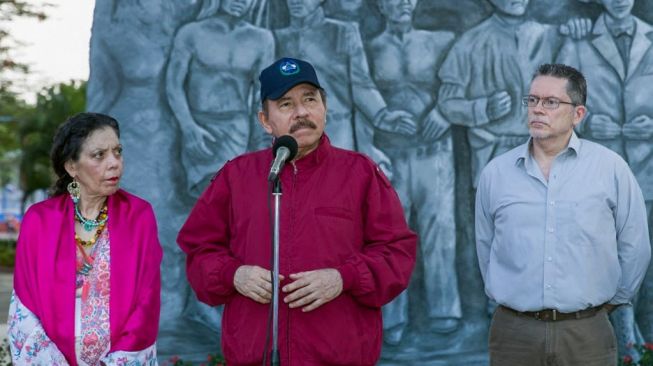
pixel 284 149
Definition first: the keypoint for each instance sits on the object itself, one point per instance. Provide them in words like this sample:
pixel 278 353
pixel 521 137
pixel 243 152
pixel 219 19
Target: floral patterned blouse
pixel 31 346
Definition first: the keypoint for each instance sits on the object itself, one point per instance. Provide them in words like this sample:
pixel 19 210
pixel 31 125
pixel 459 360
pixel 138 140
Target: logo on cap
pixel 289 67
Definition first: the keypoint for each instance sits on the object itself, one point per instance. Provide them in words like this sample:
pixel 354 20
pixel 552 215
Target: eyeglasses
pixel 547 103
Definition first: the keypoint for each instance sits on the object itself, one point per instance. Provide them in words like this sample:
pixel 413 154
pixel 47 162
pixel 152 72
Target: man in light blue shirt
pixel 561 234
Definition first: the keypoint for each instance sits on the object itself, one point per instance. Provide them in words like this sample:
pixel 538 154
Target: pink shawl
pixel 44 277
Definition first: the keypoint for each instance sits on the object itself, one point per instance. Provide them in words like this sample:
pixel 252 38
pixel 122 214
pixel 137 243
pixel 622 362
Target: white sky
pixel 56 49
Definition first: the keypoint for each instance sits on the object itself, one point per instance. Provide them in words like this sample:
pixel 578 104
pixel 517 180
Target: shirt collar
pixel 574 143
pixel 525 149
pixel 620 29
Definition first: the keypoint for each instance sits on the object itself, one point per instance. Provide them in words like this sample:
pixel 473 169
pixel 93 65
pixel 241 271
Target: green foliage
pixel 643 351
pixel 12 108
pixel 10 10
pixel 53 106
pixel 7 243
pixel 7 253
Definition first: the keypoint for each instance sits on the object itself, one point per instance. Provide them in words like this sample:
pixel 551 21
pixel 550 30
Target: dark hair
pixel 323 95
pixel 68 140
pixel 576 84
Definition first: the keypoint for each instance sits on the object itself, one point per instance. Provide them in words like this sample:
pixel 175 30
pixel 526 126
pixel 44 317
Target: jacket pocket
pixel 337 237
pixel 335 212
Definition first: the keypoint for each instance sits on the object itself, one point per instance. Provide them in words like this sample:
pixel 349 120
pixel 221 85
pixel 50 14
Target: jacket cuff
pixel 379 116
pixel 480 112
pixel 349 276
pixel 228 272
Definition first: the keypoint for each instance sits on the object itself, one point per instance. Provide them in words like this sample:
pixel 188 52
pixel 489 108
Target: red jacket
pixel 337 211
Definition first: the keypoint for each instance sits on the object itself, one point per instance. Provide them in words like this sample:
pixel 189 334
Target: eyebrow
pixel 546 97
pixel 101 149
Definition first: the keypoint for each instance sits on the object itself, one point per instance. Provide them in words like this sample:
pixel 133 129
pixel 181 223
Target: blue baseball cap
pixel 283 75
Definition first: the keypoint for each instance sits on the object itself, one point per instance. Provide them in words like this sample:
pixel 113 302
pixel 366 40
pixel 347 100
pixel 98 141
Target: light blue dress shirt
pixel 575 241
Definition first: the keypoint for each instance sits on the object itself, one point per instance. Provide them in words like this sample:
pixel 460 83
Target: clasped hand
pixel 639 128
pixel 309 290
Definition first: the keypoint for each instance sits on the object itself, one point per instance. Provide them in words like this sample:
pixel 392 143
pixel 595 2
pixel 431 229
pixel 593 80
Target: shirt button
pixel 548 286
pixel 549 259
pixel 550 230
pixel 552 203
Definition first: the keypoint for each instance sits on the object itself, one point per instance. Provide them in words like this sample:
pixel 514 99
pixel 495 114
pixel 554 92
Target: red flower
pixel 628 360
pixel 648 346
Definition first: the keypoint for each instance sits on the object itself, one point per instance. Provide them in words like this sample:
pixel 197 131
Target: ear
pixel 263 120
pixel 71 168
pixel 579 114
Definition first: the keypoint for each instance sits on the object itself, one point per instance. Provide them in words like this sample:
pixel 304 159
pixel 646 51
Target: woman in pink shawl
pixel 87 277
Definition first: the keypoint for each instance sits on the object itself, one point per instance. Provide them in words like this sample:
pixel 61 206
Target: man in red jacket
pixel 345 247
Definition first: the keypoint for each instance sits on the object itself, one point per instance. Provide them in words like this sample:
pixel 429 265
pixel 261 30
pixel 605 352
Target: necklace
pixel 98 224
pixel 89 243
pixel 84 265
pixel 90 224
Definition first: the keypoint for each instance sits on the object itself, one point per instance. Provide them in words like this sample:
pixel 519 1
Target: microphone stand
pixel 276 192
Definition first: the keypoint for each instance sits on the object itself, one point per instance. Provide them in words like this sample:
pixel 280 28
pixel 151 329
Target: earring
pixel 73 189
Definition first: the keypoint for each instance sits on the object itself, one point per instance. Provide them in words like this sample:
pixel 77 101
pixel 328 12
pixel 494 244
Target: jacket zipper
pixel 292 223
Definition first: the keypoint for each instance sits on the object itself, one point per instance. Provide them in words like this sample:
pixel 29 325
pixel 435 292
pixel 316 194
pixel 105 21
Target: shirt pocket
pixel 567 227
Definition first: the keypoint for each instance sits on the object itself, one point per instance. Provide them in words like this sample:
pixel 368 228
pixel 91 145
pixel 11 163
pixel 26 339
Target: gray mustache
pixel 301 124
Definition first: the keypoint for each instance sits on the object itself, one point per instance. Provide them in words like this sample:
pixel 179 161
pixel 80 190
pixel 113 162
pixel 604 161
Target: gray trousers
pixel 517 340
pixel 424 180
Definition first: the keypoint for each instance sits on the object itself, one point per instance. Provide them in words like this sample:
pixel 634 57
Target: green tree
pixel 12 108
pixel 10 10
pixel 53 106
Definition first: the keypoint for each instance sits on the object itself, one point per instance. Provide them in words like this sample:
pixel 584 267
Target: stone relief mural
pixel 430 89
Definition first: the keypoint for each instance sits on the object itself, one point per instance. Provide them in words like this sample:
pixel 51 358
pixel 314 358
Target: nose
pixel 301 111
pixel 538 108
pixel 114 161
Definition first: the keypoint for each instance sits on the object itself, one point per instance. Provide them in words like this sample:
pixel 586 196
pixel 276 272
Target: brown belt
pixel 550 315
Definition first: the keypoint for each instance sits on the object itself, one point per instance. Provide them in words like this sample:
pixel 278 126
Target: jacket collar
pixel 315 157
pixel 617 29
pixel 604 44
